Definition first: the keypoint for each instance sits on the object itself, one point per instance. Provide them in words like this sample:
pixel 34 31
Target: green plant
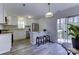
pixel 73 30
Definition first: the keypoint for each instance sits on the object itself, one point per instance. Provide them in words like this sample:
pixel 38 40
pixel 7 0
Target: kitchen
pixel 23 25
pixel 12 31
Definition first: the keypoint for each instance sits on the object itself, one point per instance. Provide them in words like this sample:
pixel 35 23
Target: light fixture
pixel 29 17
pixel 49 13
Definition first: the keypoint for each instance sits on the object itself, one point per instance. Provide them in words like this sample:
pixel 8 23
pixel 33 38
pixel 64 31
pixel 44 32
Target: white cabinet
pixel 19 34
pixel 5 42
pixel 12 20
pixel 30 21
pixel 2 14
pixel 34 35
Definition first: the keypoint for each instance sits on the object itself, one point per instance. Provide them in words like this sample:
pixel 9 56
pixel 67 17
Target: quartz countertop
pixel 6 33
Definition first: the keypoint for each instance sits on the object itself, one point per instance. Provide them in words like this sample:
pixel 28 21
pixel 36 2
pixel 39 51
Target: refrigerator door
pixel 35 27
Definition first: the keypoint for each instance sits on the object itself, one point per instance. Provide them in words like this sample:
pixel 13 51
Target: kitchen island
pixel 33 36
pixel 5 42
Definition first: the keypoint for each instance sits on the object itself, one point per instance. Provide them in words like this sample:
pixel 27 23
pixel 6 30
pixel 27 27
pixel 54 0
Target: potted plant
pixel 74 32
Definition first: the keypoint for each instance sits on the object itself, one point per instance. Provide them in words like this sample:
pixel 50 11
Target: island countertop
pixel 6 33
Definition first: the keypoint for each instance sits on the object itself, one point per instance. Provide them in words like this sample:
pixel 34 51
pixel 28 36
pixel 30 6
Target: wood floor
pixel 19 44
pixel 23 47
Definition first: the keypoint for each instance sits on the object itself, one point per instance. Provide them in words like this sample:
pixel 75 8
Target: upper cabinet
pixel 11 20
pixel 14 20
pixel 2 14
pixel 5 19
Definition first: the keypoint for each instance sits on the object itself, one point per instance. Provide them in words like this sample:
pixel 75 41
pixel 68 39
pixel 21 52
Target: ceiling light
pixel 29 17
pixel 49 13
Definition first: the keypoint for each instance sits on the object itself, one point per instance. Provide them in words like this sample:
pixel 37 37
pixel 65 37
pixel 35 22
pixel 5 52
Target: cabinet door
pixel 12 20
pixel 1 13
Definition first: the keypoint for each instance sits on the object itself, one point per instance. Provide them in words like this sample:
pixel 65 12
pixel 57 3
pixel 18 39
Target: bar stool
pixel 40 40
pixel 44 39
pixel 47 38
pixel 37 41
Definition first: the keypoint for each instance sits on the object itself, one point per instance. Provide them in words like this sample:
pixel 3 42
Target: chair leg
pixel 68 53
pixel 74 53
pixel 38 43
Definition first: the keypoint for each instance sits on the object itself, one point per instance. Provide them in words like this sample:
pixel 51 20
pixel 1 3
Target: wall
pixel 51 25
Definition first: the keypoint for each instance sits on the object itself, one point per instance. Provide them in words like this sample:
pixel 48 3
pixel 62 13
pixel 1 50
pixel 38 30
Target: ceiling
pixel 36 9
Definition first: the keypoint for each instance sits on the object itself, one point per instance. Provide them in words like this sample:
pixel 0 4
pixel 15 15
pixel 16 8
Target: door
pixel 62 30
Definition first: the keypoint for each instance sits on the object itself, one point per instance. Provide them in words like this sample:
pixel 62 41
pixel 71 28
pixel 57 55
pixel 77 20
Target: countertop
pixel 6 33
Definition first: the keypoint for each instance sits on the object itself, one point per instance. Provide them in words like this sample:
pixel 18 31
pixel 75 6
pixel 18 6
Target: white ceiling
pixel 36 9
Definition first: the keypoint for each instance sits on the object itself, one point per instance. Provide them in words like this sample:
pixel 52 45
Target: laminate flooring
pixel 23 47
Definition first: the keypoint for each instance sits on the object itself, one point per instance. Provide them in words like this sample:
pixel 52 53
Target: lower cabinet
pixel 5 43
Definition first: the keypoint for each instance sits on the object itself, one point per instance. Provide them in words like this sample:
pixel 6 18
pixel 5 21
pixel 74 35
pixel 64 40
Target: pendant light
pixel 49 13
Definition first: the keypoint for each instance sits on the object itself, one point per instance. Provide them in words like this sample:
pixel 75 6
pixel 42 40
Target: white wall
pixel 51 25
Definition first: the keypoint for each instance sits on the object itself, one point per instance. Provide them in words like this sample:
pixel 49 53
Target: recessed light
pixel 29 17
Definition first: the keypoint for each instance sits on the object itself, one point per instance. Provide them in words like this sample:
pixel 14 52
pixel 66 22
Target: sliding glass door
pixel 62 28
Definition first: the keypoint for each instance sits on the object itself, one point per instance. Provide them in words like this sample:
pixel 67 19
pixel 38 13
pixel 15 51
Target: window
pixel 71 20
pixel 62 28
pixel 76 20
pixel 21 22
